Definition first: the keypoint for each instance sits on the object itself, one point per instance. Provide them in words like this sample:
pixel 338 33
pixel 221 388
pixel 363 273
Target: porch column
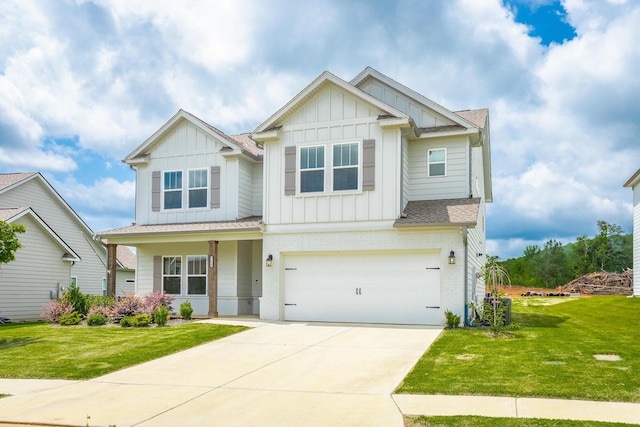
pixel 111 269
pixel 212 278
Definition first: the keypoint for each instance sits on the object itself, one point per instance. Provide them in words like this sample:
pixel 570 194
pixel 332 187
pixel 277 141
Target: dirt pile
pixel 602 283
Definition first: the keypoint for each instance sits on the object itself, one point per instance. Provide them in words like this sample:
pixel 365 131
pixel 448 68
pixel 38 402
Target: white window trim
pixel 206 188
pixel 164 191
pixel 436 163
pixel 206 277
pixel 299 171
pixel 358 188
pixel 172 275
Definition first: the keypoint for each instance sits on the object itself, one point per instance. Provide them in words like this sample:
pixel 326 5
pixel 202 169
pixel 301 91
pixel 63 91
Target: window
pixel 437 162
pixel 345 167
pixel 311 169
pixel 198 188
pixel 73 281
pixel 173 190
pixel 171 274
pixel 197 275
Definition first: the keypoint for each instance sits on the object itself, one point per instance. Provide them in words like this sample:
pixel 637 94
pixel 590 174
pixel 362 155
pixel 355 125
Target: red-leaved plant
pixel 56 308
pixel 150 302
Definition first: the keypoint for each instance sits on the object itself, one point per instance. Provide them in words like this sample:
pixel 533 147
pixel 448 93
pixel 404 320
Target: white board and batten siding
pixel 249 189
pixel 423 117
pixel 91 268
pixel 334 116
pixel 184 148
pixel 238 270
pixel 27 282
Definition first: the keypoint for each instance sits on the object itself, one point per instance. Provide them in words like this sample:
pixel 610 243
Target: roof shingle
pixel 244 224
pixel 440 212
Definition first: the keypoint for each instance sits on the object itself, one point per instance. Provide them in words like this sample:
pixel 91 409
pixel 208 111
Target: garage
pixel 368 287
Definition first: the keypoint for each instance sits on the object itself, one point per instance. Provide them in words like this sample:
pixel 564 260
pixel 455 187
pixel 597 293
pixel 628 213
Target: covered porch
pixel 216 266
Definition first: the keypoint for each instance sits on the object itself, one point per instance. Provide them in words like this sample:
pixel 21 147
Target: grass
pixel 551 356
pixel 469 421
pixel 39 350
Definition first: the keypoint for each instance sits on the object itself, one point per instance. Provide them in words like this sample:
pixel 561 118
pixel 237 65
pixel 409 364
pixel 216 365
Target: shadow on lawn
pixel 533 320
pixel 16 342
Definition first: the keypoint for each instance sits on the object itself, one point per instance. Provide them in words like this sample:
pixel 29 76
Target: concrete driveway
pixel 277 374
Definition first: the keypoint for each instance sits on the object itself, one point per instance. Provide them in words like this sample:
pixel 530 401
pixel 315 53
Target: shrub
pixel 139 320
pixel 128 305
pixel 79 300
pixel 453 320
pixel 106 311
pixel 150 302
pixel 96 319
pixel 100 301
pixel 56 308
pixel 69 319
pixel 161 315
pixel 186 310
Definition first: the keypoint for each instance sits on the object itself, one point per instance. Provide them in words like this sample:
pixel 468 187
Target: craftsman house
pixel 358 201
pixel 58 248
pixel 634 184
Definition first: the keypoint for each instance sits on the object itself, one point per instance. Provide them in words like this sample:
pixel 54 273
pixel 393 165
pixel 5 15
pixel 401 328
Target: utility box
pixel 504 304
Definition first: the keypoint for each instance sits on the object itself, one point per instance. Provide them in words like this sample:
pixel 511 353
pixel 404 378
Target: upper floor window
pixel 171 274
pixel 173 190
pixel 437 162
pixel 198 188
pixel 311 169
pixel 345 166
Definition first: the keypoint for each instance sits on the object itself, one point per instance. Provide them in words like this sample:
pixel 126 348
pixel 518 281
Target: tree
pixel 9 242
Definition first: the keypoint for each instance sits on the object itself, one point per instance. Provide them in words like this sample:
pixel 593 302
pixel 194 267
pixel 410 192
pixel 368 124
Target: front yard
pixel 584 348
pixel 40 350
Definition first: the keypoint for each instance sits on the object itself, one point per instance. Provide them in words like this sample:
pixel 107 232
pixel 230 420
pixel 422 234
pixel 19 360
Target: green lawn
pixel 501 422
pixel 551 356
pixel 40 350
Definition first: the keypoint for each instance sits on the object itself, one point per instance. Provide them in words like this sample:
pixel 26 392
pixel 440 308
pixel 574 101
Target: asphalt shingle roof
pixel 8 179
pixel 440 212
pixel 249 223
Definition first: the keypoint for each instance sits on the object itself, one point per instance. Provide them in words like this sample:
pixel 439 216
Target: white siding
pixel 35 194
pixel 245 189
pixel 329 117
pixel 26 282
pixel 235 274
pixel 456 182
pixel 257 189
pixel 187 147
pixel 441 240
pixel 125 282
pixel 423 116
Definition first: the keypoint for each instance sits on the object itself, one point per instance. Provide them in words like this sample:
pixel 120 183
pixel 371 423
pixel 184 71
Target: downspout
pixel 466 275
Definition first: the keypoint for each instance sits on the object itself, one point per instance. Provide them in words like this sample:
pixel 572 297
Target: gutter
pixel 465 240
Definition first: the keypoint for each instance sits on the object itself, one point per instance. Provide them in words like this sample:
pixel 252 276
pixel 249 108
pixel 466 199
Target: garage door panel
pixel 363 287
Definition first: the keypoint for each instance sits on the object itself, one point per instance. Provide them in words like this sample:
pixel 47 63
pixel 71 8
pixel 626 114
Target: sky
pixel 84 82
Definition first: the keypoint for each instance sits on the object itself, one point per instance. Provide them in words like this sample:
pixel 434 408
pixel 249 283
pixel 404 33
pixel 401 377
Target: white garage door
pixel 368 287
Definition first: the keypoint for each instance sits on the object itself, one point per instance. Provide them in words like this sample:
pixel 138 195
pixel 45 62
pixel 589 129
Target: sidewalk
pixel 518 407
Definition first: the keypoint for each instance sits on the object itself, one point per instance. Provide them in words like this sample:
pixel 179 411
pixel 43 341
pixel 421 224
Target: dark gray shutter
pixel 157 273
pixel 368 164
pixel 215 187
pixel 289 171
pixel 155 191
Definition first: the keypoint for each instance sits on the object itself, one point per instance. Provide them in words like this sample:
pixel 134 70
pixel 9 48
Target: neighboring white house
pixel 58 248
pixel 634 184
pixel 358 201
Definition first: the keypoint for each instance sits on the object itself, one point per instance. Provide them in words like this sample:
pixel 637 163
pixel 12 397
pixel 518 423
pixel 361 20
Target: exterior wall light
pixel 269 261
pixel 452 257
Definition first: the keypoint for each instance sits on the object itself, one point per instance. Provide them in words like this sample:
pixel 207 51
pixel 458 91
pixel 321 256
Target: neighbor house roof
pixel 245 224
pixel 10 215
pixel 125 257
pixel 440 212
pixel 477 117
pixel 9 179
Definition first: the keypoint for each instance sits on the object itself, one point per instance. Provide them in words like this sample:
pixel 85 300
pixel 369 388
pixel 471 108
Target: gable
pixel 268 129
pixel 186 128
pixel 331 104
pixel 422 115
